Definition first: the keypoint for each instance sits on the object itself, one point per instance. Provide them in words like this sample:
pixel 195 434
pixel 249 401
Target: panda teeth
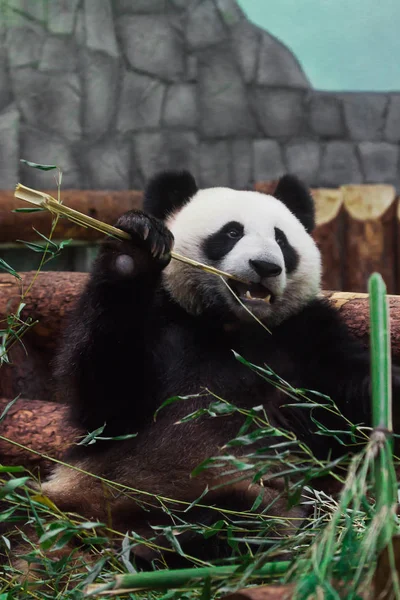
pixel 267 298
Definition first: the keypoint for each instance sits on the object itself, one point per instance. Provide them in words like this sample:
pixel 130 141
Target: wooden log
pixel 54 294
pixel 370 235
pixel 106 206
pixel 354 309
pixel 327 235
pixel 49 302
pixel 38 425
pixel 52 298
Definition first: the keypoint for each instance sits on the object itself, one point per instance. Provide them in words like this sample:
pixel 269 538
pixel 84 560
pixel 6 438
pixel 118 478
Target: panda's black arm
pixel 104 365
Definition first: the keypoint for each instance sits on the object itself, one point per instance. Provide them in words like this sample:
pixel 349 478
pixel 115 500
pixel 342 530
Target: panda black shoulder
pixel 319 327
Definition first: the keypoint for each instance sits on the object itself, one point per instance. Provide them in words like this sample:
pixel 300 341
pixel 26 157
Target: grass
pixel 333 554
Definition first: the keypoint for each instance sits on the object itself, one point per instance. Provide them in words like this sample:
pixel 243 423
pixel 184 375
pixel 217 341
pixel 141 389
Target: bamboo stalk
pixel 49 203
pixel 381 383
pixel 380 354
pixel 176 578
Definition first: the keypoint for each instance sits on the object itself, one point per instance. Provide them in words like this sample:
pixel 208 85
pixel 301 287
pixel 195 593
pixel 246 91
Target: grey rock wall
pixel 113 90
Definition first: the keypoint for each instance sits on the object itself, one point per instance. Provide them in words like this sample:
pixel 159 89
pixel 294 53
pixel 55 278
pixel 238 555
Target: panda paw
pixel 148 233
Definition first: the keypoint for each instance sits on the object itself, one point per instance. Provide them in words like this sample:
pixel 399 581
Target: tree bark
pixel 103 205
pixel 49 302
pixel 370 234
pixel 38 425
pixel 327 235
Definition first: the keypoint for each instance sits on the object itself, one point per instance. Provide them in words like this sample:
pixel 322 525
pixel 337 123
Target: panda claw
pixel 146 231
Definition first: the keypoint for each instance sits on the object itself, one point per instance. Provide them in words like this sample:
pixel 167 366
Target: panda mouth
pixel 252 292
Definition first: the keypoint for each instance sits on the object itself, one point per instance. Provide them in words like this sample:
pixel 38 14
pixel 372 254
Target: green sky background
pixel 342 44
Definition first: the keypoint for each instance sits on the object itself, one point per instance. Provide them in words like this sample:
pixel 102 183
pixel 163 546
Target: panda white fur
pixel 148 328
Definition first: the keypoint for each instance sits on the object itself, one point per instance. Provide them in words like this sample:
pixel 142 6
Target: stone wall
pixel 113 90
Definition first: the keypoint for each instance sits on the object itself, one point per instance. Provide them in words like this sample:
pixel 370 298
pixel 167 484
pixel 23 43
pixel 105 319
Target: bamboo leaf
pixel 7 408
pixel 28 210
pixel 6 267
pixel 37 165
pixel 46 239
pixel 12 485
pixel 36 247
pixel 90 438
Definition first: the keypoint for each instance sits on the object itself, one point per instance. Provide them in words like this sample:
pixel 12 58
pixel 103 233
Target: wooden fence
pixel 357 230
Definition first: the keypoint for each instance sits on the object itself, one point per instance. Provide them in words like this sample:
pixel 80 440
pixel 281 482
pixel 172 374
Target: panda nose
pixel 264 268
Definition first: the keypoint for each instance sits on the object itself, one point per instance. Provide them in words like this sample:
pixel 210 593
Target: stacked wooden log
pixel 37 420
pixel 356 232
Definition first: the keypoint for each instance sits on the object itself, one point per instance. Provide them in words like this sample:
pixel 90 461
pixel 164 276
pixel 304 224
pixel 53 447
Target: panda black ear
pixel 295 195
pixel 167 192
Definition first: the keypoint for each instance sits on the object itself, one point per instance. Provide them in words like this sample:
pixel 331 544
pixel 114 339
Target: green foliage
pixel 339 540
pixel 38 166
pixel 95 436
pixel 29 210
pixel 50 248
pixel 6 267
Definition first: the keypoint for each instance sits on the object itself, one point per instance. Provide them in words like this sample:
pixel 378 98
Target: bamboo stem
pixel 380 354
pixel 175 578
pixel 381 380
pixel 57 208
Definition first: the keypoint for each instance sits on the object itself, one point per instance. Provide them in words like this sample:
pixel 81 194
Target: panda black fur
pixel 147 328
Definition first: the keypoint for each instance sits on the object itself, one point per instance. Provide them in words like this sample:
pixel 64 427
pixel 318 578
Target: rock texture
pixel 112 90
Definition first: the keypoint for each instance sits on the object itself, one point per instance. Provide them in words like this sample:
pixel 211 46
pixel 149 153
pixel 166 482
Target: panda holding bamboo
pixel 148 328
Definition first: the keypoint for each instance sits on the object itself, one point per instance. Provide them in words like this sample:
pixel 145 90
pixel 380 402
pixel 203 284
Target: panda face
pixel 252 236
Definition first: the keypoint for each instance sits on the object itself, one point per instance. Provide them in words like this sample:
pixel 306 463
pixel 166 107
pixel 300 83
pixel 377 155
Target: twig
pixel 52 205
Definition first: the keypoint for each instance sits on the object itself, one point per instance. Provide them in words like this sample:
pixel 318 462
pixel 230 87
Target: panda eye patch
pixel 220 243
pixel 281 238
pixel 290 255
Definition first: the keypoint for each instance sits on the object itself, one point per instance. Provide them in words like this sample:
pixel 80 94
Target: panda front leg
pixel 104 366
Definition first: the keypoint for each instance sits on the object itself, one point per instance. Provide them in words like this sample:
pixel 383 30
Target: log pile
pixel 356 232
pixel 52 298
pixel 37 420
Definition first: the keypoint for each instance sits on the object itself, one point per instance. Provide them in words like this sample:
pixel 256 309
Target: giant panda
pixel 148 328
